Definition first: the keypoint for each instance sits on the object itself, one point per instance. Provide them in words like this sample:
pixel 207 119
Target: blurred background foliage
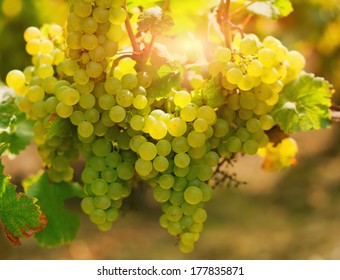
pixel 293 214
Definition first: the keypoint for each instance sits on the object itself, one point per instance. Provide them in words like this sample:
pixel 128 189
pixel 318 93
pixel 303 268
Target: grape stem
pixel 241 9
pixel 166 5
pixel 132 37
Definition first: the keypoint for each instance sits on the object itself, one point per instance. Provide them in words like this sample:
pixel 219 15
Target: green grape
pixel 124 98
pixel 181 171
pixel 136 141
pixel 246 83
pixel 45 71
pixel 193 195
pixel 94 69
pixel 70 97
pixel 174 213
pixel 206 191
pixel 267 122
pixel 160 163
pixel 200 216
pixel 102 202
pixel 250 147
pixel 88 175
pixel 125 170
pixel 87 101
pixel 296 60
pixel 117 15
pixel 140 102
pixel 35 93
pixel 207 113
pixel 233 144
pixel 201 125
pixel 269 75
pixel 89 25
pixel 163 147
pixel 101 147
pixel 99 187
pixel 253 125
pixel 117 114
pixel 147 151
pixel 143 167
pixel 267 57
pixel 177 198
pixel 92 115
pixel 182 160
pixel 82 9
pixel 106 101
pixel 63 110
pixel 144 79
pixel 212 158
pixel 109 175
pixel 112 85
pixel 234 76
pixel 100 14
pixel 112 214
pixel 39 109
pixel 97 163
pixel 220 128
pixel 115 191
pixel 106 226
pixel 248 100
pixel 113 159
pixel 248 46
pixel 129 81
pixel 180 144
pixel 189 112
pixel 87 205
pixel 196 139
pixel 176 127
pixel 85 129
pixel 166 181
pixel 98 216
pixel 160 194
pixel 158 130
pixel 182 98
pixel 137 122
pixel 205 172
pixel 223 54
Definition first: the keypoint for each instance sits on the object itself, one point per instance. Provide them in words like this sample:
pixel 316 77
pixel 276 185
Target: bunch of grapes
pixel 175 142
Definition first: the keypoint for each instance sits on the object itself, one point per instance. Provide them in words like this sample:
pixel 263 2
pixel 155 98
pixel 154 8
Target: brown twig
pixel 241 9
pixel 335 113
pixel 134 44
pixel 166 5
pixel 247 20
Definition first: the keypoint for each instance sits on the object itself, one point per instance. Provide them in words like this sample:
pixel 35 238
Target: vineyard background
pixel 294 214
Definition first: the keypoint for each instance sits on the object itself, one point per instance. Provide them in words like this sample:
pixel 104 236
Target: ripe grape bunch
pixel 79 80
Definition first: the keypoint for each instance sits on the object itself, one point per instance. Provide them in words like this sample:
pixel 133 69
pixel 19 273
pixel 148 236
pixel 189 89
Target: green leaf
pixel 166 79
pixel 273 9
pixel 20 215
pixel 211 93
pixel 155 21
pixel 15 128
pixel 60 127
pixel 62 224
pixel 304 104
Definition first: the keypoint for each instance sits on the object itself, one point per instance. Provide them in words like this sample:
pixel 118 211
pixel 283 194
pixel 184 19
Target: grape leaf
pixel 59 127
pixel 273 9
pixel 304 104
pixel 211 93
pixel 15 128
pixel 20 215
pixel 63 224
pixel 155 21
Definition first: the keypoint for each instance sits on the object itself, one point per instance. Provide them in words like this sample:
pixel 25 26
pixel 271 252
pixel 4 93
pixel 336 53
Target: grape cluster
pixel 174 142
pixel 251 76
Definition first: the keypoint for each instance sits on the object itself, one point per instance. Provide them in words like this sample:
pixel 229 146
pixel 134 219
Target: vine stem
pixel 134 44
pixel 166 5
pixel 241 9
